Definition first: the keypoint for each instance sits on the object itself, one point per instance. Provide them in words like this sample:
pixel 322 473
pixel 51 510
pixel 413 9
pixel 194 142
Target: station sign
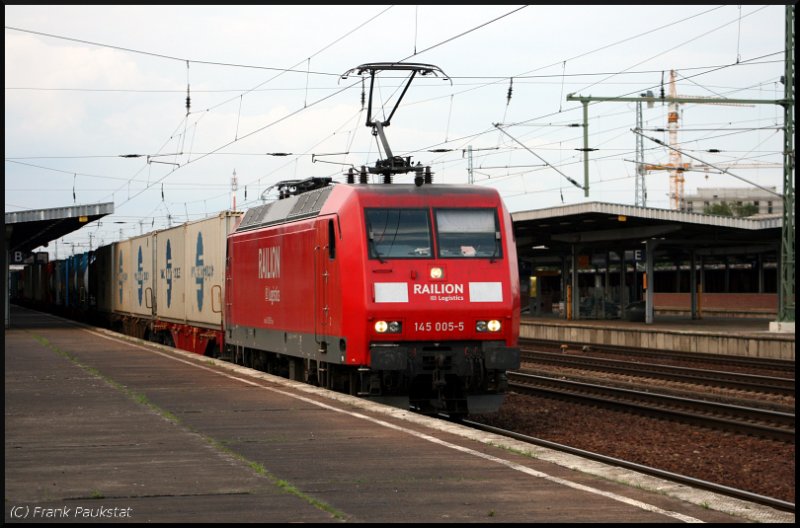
pixel 28 257
pixel 18 257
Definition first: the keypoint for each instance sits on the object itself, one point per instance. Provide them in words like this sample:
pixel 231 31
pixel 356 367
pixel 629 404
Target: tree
pixel 742 210
pixel 719 209
pixel 731 209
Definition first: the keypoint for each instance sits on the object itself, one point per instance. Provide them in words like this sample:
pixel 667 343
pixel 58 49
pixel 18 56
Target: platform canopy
pixel 27 230
pixel 611 226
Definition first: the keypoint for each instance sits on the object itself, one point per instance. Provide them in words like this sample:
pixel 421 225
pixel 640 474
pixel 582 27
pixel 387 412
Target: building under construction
pixel 763 202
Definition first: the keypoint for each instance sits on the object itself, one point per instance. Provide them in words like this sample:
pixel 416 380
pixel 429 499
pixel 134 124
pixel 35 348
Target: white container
pixel 205 249
pixel 140 276
pixel 122 291
pixel 170 274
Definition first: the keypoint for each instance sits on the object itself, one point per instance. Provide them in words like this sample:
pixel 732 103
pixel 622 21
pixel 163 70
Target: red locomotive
pixel 379 290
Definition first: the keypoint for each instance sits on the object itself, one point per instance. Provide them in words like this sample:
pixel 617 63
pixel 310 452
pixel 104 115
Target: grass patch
pixel 524 452
pixel 258 468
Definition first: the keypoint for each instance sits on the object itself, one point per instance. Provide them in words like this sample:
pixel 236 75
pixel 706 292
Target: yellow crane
pixel 676 166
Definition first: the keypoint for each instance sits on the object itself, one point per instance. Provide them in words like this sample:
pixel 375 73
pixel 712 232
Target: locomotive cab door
pixel 324 256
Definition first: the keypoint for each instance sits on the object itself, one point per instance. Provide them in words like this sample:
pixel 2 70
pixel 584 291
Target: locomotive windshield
pixel 468 233
pixel 398 233
pixel 406 233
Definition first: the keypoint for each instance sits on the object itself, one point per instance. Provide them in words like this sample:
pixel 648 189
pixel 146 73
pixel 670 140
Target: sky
pixel 95 102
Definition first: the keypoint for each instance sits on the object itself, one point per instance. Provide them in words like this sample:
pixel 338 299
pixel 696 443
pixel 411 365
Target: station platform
pixel 734 336
pixel 101 427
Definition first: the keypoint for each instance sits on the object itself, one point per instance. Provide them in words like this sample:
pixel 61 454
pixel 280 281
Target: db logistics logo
pixel 200 271
pixel 198 263
pixel 169 274
pixel 121 277
pixel 140 275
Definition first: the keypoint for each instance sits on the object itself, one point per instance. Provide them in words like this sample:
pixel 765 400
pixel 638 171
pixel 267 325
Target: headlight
pixel 488 326
pixel 391 327
pixel 437 273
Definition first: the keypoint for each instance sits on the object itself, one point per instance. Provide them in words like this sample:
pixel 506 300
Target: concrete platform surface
pixel 735 325
pixel 743 337
pixel 104 428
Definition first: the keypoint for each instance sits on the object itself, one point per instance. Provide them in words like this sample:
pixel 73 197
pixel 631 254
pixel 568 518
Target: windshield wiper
pixel 496 246
pixel 374 247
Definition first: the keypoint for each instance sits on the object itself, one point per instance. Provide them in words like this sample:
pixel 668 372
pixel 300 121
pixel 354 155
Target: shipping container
pixel 204 264
pixel 123 272
pixel 170 279
pixel 189 283
pixel 141 276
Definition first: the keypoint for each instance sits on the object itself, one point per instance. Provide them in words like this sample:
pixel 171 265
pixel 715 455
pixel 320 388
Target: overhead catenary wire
pixel 451 142
pixel 187 114
pixel 559 79
pixel 262 128
pixel 723 170
pixel 573 182
pixel 682 44
pixel 577 107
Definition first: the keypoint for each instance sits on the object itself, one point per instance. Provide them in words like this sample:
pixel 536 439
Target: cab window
pixel 398 233
pixel 468 233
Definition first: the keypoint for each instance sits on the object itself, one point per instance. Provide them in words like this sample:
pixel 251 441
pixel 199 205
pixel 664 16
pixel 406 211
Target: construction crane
pixel 675 159
pixel 676 163
pixel 676 166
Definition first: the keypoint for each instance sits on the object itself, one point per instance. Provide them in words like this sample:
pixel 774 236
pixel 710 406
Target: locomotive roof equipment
pixel 394 164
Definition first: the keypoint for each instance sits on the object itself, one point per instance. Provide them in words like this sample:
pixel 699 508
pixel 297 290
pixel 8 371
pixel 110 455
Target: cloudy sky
pixel 88 87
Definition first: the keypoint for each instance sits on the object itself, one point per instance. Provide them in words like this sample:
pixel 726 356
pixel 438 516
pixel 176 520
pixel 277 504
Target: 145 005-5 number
pixel 438 326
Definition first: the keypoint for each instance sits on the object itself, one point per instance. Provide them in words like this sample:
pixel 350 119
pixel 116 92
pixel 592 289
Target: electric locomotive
pixel 380 290
pixel 389 291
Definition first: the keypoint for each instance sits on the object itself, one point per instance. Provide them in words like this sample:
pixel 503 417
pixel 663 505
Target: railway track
pixel 773 366
pixel 675 477
pixel 738 459
pixel 732 380
pixel 758 422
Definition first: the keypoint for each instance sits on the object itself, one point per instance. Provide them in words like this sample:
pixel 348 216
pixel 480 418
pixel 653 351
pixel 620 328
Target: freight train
pixel 387 291
pixel 378 290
